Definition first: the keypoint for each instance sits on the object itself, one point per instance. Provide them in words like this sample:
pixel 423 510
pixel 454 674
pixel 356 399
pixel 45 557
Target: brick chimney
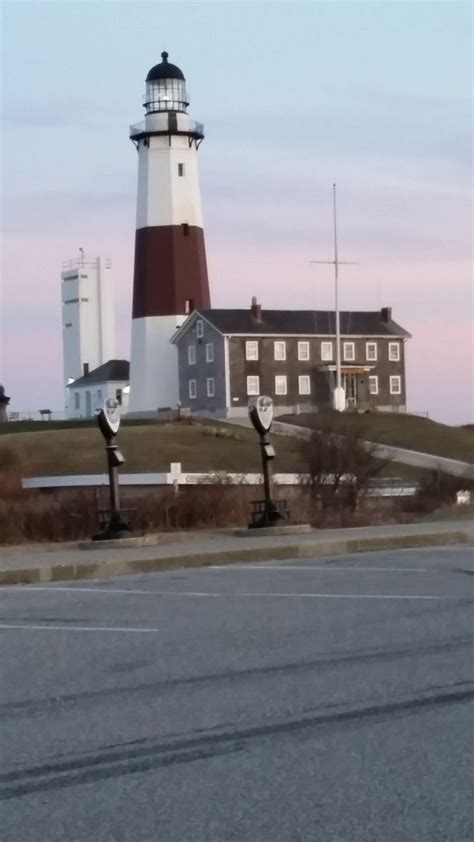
pixel 386 314
pixel 256 310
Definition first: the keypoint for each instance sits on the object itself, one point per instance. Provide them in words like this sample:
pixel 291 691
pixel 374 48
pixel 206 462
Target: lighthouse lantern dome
pixel 165 88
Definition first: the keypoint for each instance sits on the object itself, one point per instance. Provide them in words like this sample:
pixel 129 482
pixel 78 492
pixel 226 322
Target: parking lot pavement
pixel 314 700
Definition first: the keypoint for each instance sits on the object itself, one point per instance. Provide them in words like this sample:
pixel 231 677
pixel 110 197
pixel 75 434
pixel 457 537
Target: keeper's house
pixel 226 356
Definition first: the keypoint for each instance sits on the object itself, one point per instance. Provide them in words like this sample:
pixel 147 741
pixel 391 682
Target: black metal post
pixel 117 527
pixel 272 513
pixel 267 469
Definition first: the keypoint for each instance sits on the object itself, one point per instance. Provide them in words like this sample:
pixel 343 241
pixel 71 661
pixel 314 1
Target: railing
pixel 43 415
pixel 79 262
pixel 193 128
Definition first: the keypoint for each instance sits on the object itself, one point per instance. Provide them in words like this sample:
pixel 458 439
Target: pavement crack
pixel 329 661
pixel 106 765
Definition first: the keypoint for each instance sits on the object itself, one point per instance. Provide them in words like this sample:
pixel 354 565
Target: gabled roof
pixel 112 370
pixel 304 322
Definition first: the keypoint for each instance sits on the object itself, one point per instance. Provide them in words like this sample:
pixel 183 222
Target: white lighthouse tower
pixel 170 275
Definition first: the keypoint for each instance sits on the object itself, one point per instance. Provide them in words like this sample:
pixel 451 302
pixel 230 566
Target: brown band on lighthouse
pixel 170 269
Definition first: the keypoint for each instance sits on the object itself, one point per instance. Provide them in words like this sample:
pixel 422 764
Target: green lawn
pixel 408 431
pixel 146 447
pixel 78 448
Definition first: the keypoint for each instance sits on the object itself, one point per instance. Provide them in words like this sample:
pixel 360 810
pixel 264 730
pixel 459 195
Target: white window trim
pixel 301 357
pixel 210 352
pixel 394 347
pixel 284 380
pixel 374 378
pixel 275 345
pixel 248 344
pixel 328 355
pixel 393 390
pixel 192 389
pixel 191 355
pixel 199 329
pixel 367 355
pixel 306 379
pixel 348 357
pixel 257 379
pixel 211 387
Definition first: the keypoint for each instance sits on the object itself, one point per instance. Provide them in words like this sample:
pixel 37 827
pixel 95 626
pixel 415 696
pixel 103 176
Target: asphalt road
pixel 285 702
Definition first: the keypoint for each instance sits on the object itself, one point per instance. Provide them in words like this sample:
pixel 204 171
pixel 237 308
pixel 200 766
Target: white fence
pixel 36 415
pixel 390 487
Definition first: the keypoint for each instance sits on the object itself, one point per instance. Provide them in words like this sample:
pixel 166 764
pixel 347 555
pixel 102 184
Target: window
pixel 251 350
pixel 191 355
pixel 211 387
pixel 99 396
pixel 394 352
pixel 371 351
pixel 192 389
pixel 68 324
pixel 181 170
pixel 189 306
pixel 199 329
pixel 280 384
pixel 279 350
pixel 326 351
pixel 373 384
pixel 77 400
pixel 185 228
pixel 395 385
pixel 304 386
pixel 348 351
pixel 253 385
pixel 303 350
pixel 210 352
pixel 118 396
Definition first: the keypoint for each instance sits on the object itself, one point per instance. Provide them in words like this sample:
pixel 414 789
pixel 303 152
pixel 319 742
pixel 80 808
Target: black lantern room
pixel 165 88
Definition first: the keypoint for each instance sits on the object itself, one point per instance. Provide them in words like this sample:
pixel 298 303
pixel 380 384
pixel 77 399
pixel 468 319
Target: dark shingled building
pixel 226 356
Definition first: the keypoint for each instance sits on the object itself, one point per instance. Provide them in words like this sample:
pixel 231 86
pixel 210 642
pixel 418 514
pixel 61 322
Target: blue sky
pixel 375 96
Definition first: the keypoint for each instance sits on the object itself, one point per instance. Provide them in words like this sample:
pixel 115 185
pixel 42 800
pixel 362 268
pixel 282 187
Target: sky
pixel 375 96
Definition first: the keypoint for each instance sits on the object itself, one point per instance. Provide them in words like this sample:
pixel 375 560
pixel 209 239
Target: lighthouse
pixel 170 272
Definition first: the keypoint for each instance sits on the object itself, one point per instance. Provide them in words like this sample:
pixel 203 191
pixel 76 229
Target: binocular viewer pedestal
pixel 109 421
pixel 267 512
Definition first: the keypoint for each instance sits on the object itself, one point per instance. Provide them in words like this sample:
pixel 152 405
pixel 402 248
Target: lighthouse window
pixel 185 228
pixel 180 170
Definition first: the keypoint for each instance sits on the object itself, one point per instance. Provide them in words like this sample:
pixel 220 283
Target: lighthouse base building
pixel 170 272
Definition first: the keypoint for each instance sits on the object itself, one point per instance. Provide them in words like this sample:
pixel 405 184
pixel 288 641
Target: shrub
pixel 341 466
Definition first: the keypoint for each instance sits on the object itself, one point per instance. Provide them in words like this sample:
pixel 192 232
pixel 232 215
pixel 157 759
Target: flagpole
pixel 339 396
pixel 336 298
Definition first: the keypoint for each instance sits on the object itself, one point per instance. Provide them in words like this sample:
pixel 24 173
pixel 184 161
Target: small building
pixel 88 393
pixel 226 356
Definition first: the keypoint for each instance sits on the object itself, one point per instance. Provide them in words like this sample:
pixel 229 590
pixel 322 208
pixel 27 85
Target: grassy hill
pixel 409 431
pixel 38 449
pixel 146 447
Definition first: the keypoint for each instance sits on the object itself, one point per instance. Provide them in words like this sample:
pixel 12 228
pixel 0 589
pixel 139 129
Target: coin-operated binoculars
pixel 108 419
pixel 261 416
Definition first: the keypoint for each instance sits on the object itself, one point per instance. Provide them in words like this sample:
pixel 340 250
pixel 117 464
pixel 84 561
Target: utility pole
pixel 339 398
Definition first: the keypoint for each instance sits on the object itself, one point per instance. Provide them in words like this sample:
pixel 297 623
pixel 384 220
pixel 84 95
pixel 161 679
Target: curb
pixel 57 572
